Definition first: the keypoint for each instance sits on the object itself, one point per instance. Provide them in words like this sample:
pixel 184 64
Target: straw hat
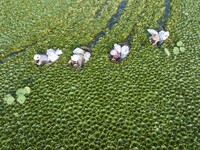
pixel 156 37
pixel 113 52
pixel 75 57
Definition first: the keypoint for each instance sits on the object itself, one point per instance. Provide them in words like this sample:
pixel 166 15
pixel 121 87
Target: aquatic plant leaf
pixel 21 99
pixel 179 44
pixel 21 92
pixel 167 51
pixel 182 49
pixel 176 50
pixel 9 99
pixel 16 114
pixel 28 90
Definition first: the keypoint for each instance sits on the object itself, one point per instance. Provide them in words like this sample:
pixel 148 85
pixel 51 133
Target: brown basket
pixel 87 49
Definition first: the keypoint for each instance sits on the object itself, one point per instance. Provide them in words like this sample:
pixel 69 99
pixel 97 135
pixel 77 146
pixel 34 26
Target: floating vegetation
pixel 146 101
pixel 9 99
pixel 176 50
pixel 167 51
pixel 180 48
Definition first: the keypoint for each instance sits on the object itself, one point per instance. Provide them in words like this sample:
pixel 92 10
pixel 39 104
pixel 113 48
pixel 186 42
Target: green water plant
pixel 176 50
pixel 9 99
pixel 179 48
pixel 21 94
pixel 167 51
pixel 179 43
pixel 21 99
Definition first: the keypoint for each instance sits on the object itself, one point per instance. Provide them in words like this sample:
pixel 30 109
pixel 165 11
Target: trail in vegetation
pixel 162 21
pixel 117 16
pixel 25 47
pixel 97 14
pixel 15 53
pixel 114 19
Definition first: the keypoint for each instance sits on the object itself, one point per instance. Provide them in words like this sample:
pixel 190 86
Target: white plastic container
pixel 118 48
pixel 78 51
pixel 124 52
pixel 87 56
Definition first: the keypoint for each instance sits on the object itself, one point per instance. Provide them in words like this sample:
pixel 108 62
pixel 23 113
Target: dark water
pixel 96 39
pixel 113 20
pixel 97 14
pixel 15 53
pixel 162 21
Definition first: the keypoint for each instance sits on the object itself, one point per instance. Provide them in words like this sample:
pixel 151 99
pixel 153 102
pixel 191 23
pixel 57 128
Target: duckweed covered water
pixel 148 101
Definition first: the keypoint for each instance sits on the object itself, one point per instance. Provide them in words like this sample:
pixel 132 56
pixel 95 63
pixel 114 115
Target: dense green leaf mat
pixel 148 101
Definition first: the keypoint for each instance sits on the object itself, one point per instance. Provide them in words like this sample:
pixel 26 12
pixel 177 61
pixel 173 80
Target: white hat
pixel 78 51
pixel 113 52
pixel 36 57
pixel 75 57
pixel 117 47
pixel 163 35
pixel 58 52
pixel 125 50
pixel 152 31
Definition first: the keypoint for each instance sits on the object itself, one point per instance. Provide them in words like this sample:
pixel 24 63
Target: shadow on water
pixel 114 19
pixel 97 14
pixel 162 21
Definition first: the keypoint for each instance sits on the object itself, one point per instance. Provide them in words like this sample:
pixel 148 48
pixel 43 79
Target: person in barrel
pixel 119 52
pixel 48 58
pixel 157 38
pixel 80 56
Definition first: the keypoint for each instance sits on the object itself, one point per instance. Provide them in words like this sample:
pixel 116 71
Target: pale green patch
pixel 28 90
pixel 21 92
pixel 9 99
pixel 182 49
pixel 176 50
pixel 21 99
pixel 179 43
pixel 167 51
pixel 16 114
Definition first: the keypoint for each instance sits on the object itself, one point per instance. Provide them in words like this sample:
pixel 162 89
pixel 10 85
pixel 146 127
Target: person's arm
pixel 70 61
